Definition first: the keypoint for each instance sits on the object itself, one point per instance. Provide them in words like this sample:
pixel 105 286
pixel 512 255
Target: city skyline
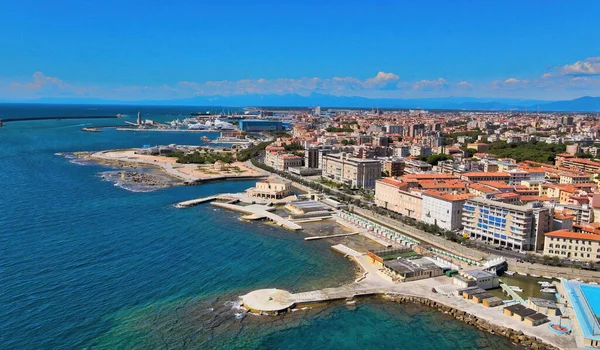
pixel 396 51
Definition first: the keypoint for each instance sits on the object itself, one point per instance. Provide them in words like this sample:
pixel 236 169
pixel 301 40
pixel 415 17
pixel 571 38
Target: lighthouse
pixel 139 120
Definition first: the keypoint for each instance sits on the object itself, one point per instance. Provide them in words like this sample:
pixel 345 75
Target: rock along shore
pixel 516 337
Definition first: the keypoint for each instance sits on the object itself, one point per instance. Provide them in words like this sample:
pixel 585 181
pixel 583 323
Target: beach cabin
pixel 492 302
pixel 543 306
pixel 536 319
pixel 518 312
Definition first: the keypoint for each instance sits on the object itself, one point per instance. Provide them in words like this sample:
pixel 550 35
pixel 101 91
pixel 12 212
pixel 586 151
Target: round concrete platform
pixel 268 300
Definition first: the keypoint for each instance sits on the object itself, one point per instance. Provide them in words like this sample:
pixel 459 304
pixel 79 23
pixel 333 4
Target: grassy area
pixel 205 157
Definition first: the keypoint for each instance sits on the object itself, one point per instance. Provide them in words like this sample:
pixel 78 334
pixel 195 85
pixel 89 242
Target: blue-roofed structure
pixel 255 125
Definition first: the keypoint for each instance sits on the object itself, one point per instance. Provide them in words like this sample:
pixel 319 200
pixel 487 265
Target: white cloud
pixel 589 66
pixel 430 85
pixel 512 81
pixel 464 84
pixel 381 79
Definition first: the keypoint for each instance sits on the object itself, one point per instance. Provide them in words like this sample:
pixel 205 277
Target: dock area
pixel 194 202
pixel 313 238
pixel 512 293
pixel 257 211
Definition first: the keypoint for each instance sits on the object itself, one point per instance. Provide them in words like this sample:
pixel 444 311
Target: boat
pixel 548 277
pixel 516 289
pixel 548 290
pixel 545 284
pixel 593 283
pixel 510 273
pixel 522 274
pixel 536 276
pixel 91 129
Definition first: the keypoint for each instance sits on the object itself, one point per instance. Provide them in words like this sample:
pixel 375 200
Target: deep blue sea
pixel 87 264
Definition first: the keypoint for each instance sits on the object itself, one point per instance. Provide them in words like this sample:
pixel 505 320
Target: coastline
pixel 189 174
pixel 373 283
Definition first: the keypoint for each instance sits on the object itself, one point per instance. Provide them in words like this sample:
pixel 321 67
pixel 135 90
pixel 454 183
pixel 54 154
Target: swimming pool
pixel 581 297
pixel 592 294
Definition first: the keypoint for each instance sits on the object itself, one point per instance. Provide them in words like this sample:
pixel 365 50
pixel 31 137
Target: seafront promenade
pixel 373 282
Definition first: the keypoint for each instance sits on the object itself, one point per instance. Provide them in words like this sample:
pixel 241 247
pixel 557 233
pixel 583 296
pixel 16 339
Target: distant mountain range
pixel 582 104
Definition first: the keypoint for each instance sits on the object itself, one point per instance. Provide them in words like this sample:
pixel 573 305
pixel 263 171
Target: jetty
pixel 275 301
pixel 25 119
pixel 257 211
pixel 194 202
pixel 511 292
pixel 313 238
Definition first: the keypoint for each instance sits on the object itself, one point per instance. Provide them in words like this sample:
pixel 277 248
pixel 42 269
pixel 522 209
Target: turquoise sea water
pixel 86 264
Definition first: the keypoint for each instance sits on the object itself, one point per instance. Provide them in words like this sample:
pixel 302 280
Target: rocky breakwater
pixel 517 337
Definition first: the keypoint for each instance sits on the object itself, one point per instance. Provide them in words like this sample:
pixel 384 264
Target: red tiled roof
pixel 574 235
pixel 449 196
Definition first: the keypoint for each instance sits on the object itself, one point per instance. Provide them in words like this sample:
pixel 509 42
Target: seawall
pixel 517 337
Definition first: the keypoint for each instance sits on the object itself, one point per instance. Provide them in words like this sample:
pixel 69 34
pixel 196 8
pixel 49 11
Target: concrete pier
pixel 313 238
pixel 275 301
pixel 256 211
pixel 194 202
pixel 511 292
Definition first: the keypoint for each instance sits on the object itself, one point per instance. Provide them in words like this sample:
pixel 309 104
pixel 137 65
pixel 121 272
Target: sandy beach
pixel 189 173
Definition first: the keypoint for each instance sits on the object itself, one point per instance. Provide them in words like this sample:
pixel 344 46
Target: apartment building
pixel 577 164
pixel 354 172
pixel 508 225
pixel 443 209
pixel 397 196
pixel 573 178
pixel 481 176
pixel 569 244
pixel 282 161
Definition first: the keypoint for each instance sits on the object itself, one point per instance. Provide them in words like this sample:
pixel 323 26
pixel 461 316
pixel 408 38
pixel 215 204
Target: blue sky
pixel 130 50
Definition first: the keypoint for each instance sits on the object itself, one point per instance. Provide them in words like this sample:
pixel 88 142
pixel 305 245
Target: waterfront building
pixel 396 196
pixel 282 161
pixel 568 244
pixel 270 189
pixel 307 209
pixel 255 125
pixel 481 279
pixel 508 225
pixel 354 172
pixel 405 270
pixel 443 209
